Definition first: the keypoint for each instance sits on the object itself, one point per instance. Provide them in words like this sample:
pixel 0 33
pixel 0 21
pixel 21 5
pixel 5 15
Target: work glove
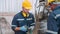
pixel 31 28
pixel 23 28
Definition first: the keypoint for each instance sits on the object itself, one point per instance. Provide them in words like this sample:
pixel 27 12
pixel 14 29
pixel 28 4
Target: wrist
pixel 17 28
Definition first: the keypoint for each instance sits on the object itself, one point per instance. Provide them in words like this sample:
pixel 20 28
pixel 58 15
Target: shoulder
pixel 31 14
pixel 18 14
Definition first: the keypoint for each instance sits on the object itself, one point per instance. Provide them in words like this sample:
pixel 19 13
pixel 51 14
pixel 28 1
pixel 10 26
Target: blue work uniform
pixel 19 20
pixel 53 22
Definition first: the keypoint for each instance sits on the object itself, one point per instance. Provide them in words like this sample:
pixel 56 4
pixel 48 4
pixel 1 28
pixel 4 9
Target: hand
pixel 17 28
pixel 23 28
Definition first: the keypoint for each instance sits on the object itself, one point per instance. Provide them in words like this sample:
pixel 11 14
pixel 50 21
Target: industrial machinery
pixel 41 14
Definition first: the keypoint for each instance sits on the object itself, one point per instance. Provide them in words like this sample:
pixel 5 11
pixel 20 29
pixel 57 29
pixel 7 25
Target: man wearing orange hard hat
pixel 23 21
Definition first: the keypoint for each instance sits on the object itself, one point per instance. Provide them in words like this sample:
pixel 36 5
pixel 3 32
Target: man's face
pixel 25 10
pixel 53 6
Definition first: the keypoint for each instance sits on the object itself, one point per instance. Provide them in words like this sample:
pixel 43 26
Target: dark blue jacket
pixel 53 22
pixel 19 21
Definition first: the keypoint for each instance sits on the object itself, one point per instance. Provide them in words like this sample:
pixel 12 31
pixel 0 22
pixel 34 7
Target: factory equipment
pixel 41 14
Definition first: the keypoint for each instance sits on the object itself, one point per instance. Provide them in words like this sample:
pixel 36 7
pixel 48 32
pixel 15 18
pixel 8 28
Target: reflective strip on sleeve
pixel 20 19
pixel 53 32
pixel 33 24
pixel 13 25
pixel 57 16
pixel 29 19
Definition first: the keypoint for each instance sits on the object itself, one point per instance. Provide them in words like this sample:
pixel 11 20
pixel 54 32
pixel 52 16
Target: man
pixel 23 21
pixel 53 22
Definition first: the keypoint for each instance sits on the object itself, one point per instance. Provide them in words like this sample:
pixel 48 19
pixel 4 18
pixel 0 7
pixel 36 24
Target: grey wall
pixel 13 5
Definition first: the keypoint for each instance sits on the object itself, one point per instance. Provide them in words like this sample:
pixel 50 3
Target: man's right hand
pixel 23 28
pixel 17 28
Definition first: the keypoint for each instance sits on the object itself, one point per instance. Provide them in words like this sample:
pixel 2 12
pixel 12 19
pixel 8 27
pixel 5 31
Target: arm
pixel 57 17
pixel 51 23
pixel 14 24
pixel 32 24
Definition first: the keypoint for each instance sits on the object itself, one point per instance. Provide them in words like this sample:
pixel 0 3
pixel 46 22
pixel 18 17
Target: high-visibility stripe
pixel 32 23
pixel 49 31
pixel 13 25
pixel 53 32
pixel 58 15
pixel 29 18
pixel 20 19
